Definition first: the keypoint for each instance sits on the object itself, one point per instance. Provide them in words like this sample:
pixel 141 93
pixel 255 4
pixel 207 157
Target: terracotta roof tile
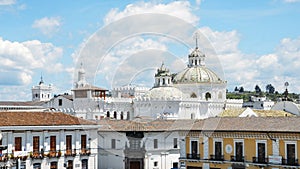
pixel 264 124
pixel 40 119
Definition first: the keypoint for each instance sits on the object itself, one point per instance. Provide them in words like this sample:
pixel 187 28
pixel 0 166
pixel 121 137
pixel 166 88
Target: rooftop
pixel 40 119
pixel 260 124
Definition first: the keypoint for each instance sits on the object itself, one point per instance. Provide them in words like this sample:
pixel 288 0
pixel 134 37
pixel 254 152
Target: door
pixel 135 165
pixel 261 152
pixel 290 153
pixel 239 151
pixel 218 150
pixel 194 149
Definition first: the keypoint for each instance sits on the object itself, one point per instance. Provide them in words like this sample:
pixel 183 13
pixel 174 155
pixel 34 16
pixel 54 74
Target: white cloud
pixel 246 70
pixel 7 2
pixel 20 59
pixel 180 9
pixel 48 25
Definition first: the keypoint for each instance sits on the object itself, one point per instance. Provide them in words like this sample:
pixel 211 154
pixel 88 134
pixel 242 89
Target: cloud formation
pixel 7 2
pixel 20 59
pixel 48 25
pixel 180 9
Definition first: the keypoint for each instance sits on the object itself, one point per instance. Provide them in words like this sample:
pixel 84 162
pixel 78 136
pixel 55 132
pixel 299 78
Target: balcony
pixel 217 157
pixel 260 160
pixel 237 158
pixel 290 161
pixel 53 154
pixel 70 153
pixel 37 155
pixel 85 152
pixel 193 156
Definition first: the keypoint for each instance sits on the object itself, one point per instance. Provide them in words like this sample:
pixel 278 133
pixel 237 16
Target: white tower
pixel 163 77
pixel 41 92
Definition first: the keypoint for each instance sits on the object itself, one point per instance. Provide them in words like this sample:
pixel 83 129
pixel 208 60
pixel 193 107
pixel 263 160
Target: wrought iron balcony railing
pixel 237 158
pixel 261 160
pixel 193 156
pixel 217 157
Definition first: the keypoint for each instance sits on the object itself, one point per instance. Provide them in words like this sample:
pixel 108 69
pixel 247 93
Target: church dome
pixel 196 71
pixel 167 92
pixel 199 74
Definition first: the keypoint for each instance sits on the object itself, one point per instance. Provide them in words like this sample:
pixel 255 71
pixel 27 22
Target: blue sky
pixel 257 42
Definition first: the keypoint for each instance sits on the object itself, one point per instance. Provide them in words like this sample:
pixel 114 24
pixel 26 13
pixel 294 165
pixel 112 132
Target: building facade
pixel 253 142
pixel 53 140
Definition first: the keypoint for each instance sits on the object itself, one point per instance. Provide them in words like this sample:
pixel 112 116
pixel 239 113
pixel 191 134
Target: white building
pixel 259 102
pixel 41 92
pixel 141 144
pixel 53 140
pixel 196 92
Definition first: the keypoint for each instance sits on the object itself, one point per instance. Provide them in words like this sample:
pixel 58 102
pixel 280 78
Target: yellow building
pixel 237 143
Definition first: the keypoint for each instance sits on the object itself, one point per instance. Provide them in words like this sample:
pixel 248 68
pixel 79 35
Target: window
pixel 122 115
pixel 261 152
pixel 155 143
pixel 115 115
pixel 291 155
pixel 175 165
pixel 193 116
pixel 70 164
pixel 18 143
pixel 207 96
pixel 52 143
pixel 113 143
pixel 175 143
pixel 218 150
pixel 36 144
pixel 239 151
pixel 155 163
pixel 84 164
pixel 37 166
pixel 53 165
pixel 107 114
pixel 128 115
pixel 59 102
pixel 194 147
pixel 68 144
pixel 83 142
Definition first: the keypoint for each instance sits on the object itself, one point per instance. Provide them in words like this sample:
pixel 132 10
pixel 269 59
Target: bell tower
pixel 41 92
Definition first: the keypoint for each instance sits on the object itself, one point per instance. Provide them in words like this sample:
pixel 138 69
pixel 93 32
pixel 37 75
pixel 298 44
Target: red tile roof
pixel 263 124
pixel 40 119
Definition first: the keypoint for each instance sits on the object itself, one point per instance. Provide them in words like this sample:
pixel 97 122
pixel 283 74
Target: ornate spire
pixel 196 36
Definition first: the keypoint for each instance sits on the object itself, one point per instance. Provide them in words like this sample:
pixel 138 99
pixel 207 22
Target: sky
pixel 246 43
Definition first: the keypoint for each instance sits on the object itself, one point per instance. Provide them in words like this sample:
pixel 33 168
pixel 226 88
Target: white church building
pixel 196 92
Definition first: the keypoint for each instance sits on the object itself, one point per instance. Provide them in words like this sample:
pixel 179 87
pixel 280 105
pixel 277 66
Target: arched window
pixel 207 95
pixel 115 115
pixel 128 115
pixel 122 115
pixel 164 82
pixel 107 114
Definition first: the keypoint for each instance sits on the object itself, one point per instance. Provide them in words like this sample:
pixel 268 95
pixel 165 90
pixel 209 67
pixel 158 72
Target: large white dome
pixel 198 74
pixel 167 92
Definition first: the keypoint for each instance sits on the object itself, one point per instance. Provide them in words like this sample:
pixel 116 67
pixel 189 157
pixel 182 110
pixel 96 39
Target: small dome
pixel 164 92
pixel 199 74
pixel 196 53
